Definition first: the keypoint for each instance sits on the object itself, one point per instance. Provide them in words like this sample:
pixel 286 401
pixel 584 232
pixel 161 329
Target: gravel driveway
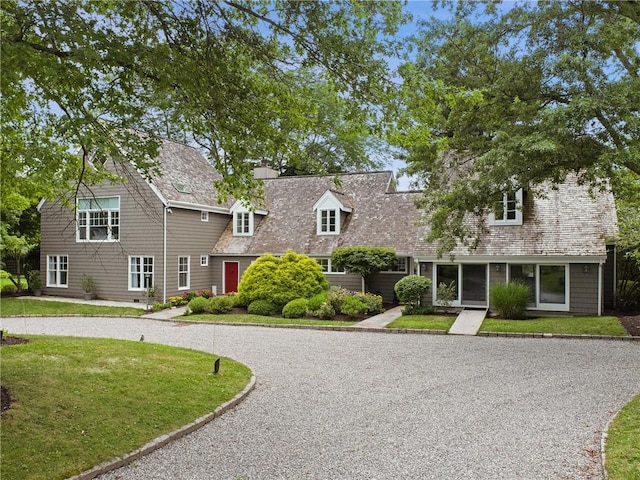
pixel 363 405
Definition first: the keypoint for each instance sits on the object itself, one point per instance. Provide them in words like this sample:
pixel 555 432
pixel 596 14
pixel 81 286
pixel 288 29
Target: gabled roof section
pixel 187 179
pixel 242 206
pixel 333 200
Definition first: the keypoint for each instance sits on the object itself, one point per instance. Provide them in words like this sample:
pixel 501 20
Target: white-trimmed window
pixel 328 221
pixel 204 216
pixel 399 266
pixel 327 266
pixel 508 211
pixel 140 273
pixel 98 219
pixel 242 223
pixel 184 277
pixel 328 209
pixel 204 260
pixel 57 271
pixel 548 284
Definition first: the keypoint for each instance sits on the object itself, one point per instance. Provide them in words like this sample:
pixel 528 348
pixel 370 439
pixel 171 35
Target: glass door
pixel 474 284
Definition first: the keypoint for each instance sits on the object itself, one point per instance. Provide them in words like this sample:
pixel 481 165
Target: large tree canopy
pixel 523 93
pixel 93 74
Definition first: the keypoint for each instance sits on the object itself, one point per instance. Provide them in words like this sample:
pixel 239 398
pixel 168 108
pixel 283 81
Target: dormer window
pixel 328 221
pixel 328 212
pixel 508 211
pixel 243 219
pixel 242 223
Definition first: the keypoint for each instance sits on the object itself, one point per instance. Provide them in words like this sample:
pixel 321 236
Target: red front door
pixel 231 270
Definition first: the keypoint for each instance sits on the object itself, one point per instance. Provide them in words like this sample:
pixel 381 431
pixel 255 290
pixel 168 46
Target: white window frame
pixel 556 307
pixel 326 207
pixel 86 216
pixel 184 272
pixel 327 266
pixel 325 227
pixel 434 281
pixel 397 269
pixel 144 269
pixel 58 281
pixel 516 211
pixel 204 216
pixel 204 260
pixel 242 218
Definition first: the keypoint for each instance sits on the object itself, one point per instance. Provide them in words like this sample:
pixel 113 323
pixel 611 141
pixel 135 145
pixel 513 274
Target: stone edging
pixel 161 441
pixel 356 328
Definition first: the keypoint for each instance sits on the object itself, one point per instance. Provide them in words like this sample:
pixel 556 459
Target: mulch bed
pixel 631 323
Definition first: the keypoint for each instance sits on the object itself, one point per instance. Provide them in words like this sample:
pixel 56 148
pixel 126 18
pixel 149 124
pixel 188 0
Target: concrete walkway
pixel 468 322
pixel 381 320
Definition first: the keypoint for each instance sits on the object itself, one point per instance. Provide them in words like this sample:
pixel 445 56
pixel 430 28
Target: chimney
pixel 261 173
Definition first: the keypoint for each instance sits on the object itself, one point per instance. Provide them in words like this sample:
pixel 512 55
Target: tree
pixel 104 78
pixel 626 189
pixel 281 279
pixel 519 95
pixel 365 261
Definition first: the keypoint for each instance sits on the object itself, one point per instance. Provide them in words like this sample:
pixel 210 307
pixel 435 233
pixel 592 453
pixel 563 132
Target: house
pixel 170 232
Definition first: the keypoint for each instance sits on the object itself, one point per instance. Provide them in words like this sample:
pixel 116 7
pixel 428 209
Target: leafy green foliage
pixel 262 307
pixel 445 293
pixel 221 304
pixel 365 261
pixel 281 279
pixel 522 94
pixel 372 301
pixel 353 306
pixel 509 299
pixel 296 308
pixel 199 305
pixel 411 289
pixel 316 301
pixel 222 74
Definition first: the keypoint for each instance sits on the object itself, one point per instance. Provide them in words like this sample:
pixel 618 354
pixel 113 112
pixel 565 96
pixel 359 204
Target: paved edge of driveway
pixel 161 441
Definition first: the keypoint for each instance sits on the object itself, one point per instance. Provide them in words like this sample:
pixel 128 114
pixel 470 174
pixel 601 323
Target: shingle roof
pixel 184 166
pixel 565 222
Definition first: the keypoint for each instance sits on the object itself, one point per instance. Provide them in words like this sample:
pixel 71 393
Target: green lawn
pixel 623 443
pixel 26 306
pixel 431 322
pixel 80 402
pixel 248 318
pixel 567 325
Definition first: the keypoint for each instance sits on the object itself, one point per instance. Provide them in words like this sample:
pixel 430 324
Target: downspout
pixel 600 299
pixel 164 256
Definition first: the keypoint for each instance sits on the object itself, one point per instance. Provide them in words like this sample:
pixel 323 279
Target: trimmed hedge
pixel 411 289
pixel 281 279
pixel 296 308
pixel 262 307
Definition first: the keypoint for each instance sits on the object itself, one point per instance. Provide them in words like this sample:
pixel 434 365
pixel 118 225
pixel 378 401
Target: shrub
pixel 188 296
pixel 510 299
pixel 34 279
pixel 411 289
pixel 352 306
pixel 337 295
pixel 157 306
pixel 205 294
pixel 198 305
pixel 262 307
pixel 325 312
pixel 222 304
pixel 372 301
pixel 176 301
pixel 446 293
pixel 9 288
pixel 316 302
pixel 281 279
pixel 296 308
